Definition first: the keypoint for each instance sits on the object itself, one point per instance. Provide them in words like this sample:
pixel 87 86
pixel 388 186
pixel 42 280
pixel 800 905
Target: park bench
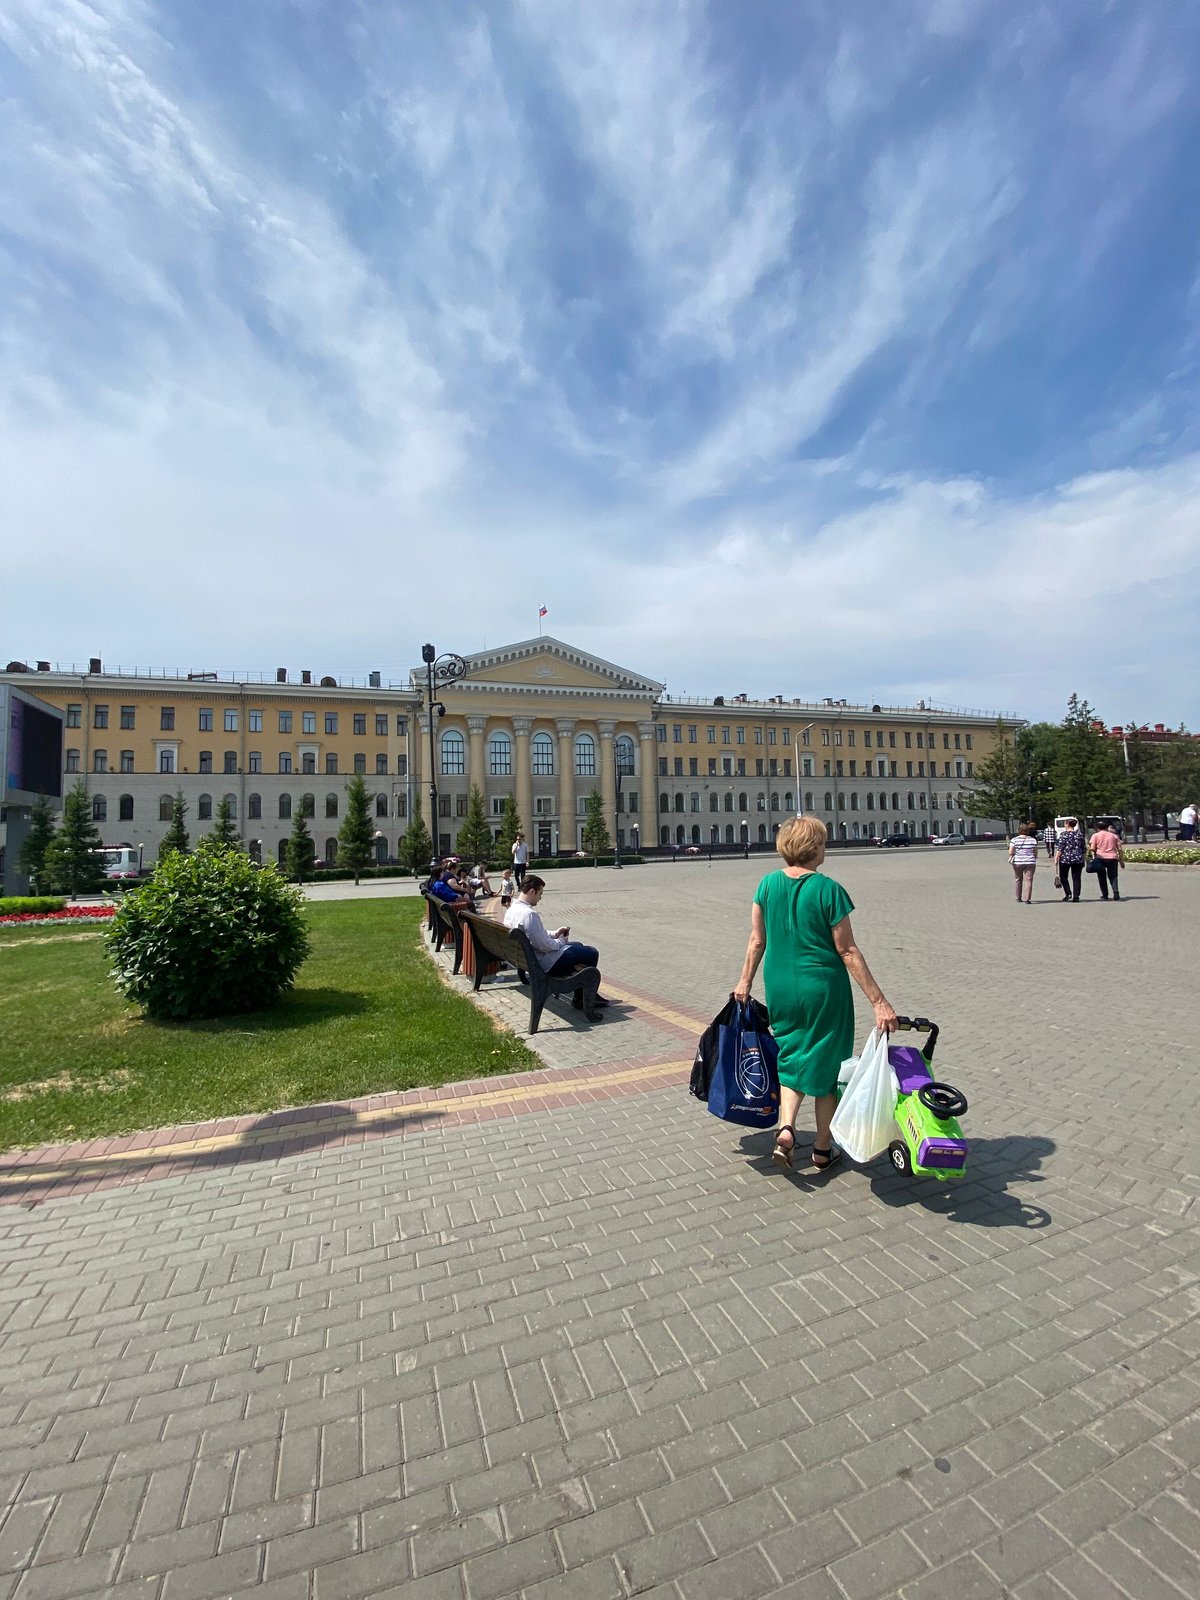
pixel 512 945
pixel 446 928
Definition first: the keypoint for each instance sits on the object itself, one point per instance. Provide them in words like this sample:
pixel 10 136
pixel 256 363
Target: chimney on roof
pixel 43 666
pixel 94 664
pixel 374 680
pixel 280 674
pixel 305 675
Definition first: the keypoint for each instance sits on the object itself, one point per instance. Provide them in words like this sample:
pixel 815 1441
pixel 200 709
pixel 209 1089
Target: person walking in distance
pixel 1068 858
pixel 1106 850
pixel 1050 839
pixel 1023 853
pixel 520 859
pixel 1187 823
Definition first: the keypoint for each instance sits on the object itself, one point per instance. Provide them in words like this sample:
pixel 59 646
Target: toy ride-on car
pixel 931 1143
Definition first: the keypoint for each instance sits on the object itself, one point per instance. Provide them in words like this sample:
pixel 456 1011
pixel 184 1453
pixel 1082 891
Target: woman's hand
pixel 741 992
pixel 885 1017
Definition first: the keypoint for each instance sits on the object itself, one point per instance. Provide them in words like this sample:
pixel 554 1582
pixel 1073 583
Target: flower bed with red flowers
pixel 35 919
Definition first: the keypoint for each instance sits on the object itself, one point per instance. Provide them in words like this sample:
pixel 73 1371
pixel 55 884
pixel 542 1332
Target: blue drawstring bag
pixel 744 1087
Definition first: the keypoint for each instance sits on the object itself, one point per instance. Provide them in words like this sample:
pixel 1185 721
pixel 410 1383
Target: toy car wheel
pixel 899 1157
pixel 942 1099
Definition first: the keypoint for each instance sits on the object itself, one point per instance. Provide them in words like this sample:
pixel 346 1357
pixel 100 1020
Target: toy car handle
pixel 922 1025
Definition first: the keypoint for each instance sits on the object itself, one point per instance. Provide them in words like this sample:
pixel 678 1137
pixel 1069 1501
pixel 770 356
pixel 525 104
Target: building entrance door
pixel 543 842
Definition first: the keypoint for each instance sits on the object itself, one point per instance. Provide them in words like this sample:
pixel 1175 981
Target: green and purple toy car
pixel 931 1143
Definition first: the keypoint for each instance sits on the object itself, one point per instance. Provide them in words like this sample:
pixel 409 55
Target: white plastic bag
pixel 865 1119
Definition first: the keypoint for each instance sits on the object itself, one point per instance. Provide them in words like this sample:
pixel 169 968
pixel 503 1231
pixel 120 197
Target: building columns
pixel 476 766
pixel 521 756
pixel 568 833
pixel 608 775
pixel 648 781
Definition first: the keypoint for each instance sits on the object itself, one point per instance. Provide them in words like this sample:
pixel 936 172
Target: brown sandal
pixel 782 1154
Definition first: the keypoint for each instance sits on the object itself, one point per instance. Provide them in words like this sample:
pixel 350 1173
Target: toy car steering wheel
pixel 943 1100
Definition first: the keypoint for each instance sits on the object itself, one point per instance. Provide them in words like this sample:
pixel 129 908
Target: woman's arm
pixel 755 946
pixel 855 963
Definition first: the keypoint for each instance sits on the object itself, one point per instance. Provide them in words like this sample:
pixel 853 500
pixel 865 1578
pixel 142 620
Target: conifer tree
pixel 224 832
pixel 510 826
pixel 31 860
pixel 74 866
pixel 1002 784
pixel 474 842
pixel 175 837
pixel 357 833
pixel 301 852
pixel 1088 773
pixel 595 829
pixel 416 847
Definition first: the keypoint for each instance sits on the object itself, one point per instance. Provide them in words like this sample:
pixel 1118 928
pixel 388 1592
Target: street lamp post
pixel 622 770
pixel 635 838
pixel 439 670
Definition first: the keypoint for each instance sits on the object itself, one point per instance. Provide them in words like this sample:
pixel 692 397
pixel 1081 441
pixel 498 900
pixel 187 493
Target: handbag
pixel 744 1084
pixel 1057 881
pixel 1094 864
pixel 865 1120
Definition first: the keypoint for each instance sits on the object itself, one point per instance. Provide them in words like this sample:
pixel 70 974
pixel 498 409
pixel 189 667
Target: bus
pixel 119 861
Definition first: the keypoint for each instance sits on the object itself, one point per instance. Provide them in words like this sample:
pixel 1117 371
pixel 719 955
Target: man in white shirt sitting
pixel 557 953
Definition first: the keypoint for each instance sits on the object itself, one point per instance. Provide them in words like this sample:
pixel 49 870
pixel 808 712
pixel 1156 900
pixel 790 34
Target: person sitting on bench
pixel 444 885
pixel 557 953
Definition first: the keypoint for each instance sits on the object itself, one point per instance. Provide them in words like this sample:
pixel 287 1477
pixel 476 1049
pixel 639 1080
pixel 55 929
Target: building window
pixel 125 808
pixel 99 808
pixel 360 761
pixel 401 805
pixel 725 735
pixel 285 762
pixel 497 805
pixel 255 759
pixel 454 758
pixel 691 733
pixel 741 735
pixel 381 805
pixel 380 765
pixel 542 754
pixel 401 727
pixel 254 807
pixel 99 716
pixel 205 761
pixel 920 741
pixel 969 744
pixel 308 805
pixel 360 722
pixel 204 808
pixel 499 755
pixel 285 807
pixel 677 732
pixel 331 805
pixel 126 760
pixel 254 722
pixel 331 762
pixel 206 719
pixel 285 722
pixel 308 762
pixel 758 736
pixel 402 766
pixel 308 722
pixel 381 724
pixel 166 719
pixel 585 756
pixel 970 769
pixel 712 733
pixel 679 766
pixel 166 761
pixel 908 741
pixel 660 732
pixel 231 765
pixel 74 716
pixel 693 767
pixel 127 717
pixel 331 722
pixel 662 766
pixel 891 741
pixel 166 808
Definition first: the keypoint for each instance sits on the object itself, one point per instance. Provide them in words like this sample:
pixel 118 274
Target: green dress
pixel 806 984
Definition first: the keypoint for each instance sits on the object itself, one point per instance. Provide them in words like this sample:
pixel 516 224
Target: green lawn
pixel 369 1013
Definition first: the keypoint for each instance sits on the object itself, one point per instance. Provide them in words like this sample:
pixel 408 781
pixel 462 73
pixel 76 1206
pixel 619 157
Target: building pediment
pixel 550 666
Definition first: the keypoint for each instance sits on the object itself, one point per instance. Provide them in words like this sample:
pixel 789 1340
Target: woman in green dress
pixel 801 919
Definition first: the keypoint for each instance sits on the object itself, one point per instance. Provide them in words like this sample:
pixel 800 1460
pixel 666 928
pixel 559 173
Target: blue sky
pixel 796 348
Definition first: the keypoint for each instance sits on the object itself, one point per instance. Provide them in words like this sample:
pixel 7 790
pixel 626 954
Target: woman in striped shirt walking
pixel 1023 853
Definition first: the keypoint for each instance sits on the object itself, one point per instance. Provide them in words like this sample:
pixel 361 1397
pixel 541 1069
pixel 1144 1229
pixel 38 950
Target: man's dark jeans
pixel 575 955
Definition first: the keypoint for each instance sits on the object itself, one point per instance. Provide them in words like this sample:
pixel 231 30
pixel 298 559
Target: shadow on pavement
pixel 981 1198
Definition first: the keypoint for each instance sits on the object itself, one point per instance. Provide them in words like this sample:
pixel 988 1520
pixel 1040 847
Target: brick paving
pixel 599 1347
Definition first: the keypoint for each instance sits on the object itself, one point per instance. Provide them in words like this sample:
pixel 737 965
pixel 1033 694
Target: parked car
pixel 893 840
pixel 949 838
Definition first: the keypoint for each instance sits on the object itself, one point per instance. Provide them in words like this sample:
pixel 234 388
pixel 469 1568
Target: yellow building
pixel 540 720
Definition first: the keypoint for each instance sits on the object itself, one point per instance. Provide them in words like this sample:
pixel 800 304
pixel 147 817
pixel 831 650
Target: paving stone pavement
pixel 607 1350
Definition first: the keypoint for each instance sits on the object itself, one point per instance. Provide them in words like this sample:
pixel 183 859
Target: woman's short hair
pixel 801 840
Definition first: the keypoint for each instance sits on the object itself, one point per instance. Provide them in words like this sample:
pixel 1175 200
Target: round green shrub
pixel 209 935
